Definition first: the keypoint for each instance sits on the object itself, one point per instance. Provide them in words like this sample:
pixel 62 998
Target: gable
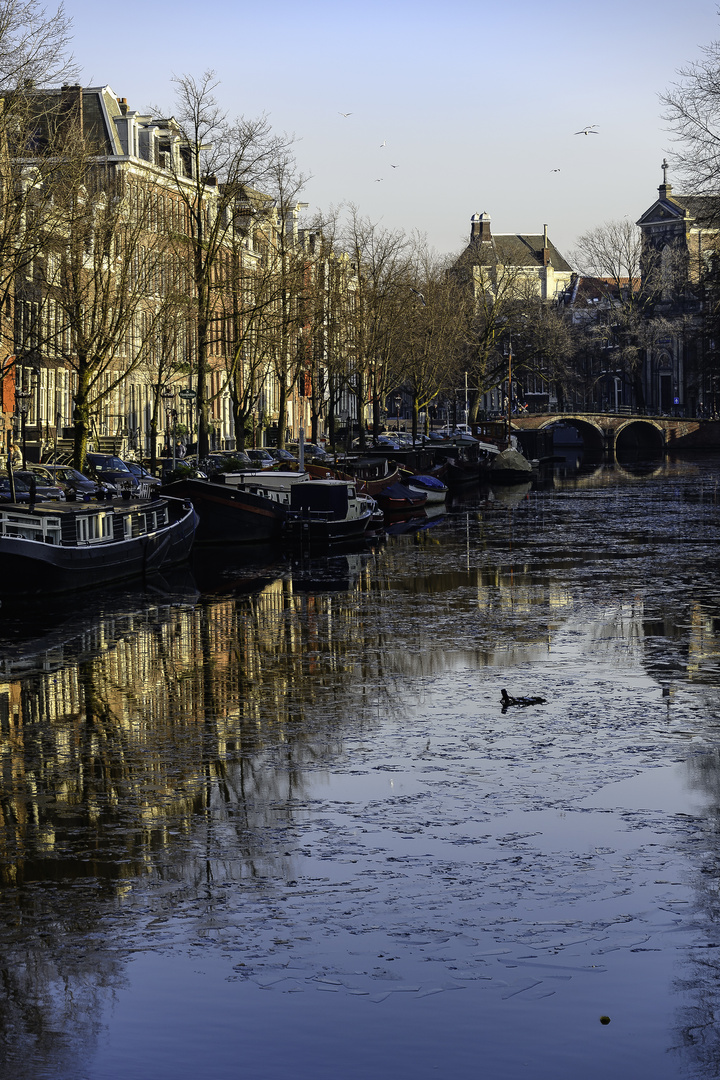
pixel 661 212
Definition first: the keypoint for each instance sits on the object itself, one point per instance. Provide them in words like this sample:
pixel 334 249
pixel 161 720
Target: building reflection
pixel 169 737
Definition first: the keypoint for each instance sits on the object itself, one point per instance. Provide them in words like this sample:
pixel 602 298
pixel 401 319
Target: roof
pixel 515 249
pixel 518 249
pixel 703 210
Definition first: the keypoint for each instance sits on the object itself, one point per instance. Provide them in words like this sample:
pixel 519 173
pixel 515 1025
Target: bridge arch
pixel 639 438
pixel 592 434
pixel 629 438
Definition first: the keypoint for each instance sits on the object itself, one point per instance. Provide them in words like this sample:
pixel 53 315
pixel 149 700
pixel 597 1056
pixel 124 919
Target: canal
pixel 270 819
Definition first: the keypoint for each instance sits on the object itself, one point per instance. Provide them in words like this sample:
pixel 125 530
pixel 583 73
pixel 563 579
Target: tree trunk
pixel 282 415
pixel 331 410
pixel 81 416
pixel 361 413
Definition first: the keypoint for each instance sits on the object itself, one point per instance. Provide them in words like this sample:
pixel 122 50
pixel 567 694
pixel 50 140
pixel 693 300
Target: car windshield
pixel 20 485
pixel 109 464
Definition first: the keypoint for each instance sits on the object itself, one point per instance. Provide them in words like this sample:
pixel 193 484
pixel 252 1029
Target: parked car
pixel 281 456
pixel 312 452
pixel 22 492
pixel 262 458
pixel 225 461
pixel 74 483
pixel 46 490
pixel 384 442
pixel 142 475
pixel 106 467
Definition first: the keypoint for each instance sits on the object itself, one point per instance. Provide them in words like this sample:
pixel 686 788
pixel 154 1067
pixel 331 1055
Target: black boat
pixel 326 511
pixel 238 507
pixel 60 547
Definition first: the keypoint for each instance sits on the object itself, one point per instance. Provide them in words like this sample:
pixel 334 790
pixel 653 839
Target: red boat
pixel 396 499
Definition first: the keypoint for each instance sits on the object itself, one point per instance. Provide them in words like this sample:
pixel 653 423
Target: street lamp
pixel 168 397
pixel 398 403
pixel 22 399
pixel 187 396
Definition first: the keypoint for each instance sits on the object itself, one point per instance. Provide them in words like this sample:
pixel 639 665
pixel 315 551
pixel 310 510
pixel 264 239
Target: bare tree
pixel 290 263
pixel 692 111
pixel 489 299
pixel 91 302
pixel 212 160
pixel 430 339
pixel 381 263
pixel 246 305
pixel 34 45
pixel 631 279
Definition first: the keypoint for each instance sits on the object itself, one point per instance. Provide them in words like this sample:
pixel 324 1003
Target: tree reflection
pixel 698 1031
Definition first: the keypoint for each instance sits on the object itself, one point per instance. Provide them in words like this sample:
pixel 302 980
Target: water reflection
pixel 170 738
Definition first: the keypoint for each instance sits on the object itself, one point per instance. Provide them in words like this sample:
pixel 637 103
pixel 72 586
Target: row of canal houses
pixel 155 400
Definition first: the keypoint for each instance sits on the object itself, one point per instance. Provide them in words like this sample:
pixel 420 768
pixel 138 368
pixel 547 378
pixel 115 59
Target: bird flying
pixel 383 143
pixel 393 166
pixel 345 114
pixel 587 130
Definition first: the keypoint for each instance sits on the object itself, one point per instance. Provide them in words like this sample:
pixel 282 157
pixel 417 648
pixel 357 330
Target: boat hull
pixel 328 511
pixel 31 568
pixel 231 514
pixel 329 532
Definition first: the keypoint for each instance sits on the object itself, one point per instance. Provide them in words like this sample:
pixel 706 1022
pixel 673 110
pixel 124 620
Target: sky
pixel 455 107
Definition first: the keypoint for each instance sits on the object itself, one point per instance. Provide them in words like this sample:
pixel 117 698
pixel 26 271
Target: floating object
pixel 507 701
pixel 604 1019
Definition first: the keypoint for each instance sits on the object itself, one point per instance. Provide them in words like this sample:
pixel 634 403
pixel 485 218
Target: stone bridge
pixel 620 434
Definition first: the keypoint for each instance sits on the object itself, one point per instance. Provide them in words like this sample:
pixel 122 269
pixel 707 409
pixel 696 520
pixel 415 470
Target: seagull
pixel 380 180
pixel 554 170
pixel 345 114
pixel 393 166
pixel 419 295
pixel 588 130
pixel 383 143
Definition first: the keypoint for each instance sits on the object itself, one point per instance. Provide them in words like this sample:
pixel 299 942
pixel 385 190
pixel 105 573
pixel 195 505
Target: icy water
pixel 272 821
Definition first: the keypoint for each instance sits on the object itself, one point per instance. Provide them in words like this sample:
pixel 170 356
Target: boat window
pixel 94 527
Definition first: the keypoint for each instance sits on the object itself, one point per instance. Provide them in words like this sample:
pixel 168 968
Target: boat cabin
pixel 333 499
pixel 83 524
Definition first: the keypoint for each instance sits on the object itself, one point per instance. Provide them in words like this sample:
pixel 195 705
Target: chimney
pixel 123 106
pixel 480 228
pixel 546 248
pixel 71 103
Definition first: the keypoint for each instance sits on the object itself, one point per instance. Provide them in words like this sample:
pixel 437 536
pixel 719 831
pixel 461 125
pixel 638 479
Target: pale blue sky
pixel 477 103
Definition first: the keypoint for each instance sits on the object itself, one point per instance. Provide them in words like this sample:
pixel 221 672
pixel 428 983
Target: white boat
pixel 431 486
